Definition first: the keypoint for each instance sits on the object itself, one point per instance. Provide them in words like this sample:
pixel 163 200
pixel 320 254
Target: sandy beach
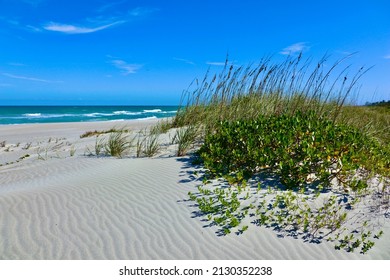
pixel 59 202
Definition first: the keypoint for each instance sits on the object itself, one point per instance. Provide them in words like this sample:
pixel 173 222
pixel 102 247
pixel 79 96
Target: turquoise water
pixel 51 114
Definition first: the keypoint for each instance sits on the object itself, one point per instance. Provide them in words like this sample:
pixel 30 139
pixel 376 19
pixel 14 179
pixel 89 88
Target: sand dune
pixel 82 207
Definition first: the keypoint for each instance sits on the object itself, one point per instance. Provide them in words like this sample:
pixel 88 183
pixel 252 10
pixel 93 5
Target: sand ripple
pixel 90 208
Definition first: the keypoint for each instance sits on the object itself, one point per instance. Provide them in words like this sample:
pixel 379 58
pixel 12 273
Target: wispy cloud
pixel 17 64
pixel 73 29
pixel 98 23
pixel 345 53
pixel 141 11
pixel 29 78
pixel 215 63
pixel 16 23
pixel 387 56
pixel 184 60
pixel 126 68
pixel 11 21
pixel 295 48
pixel 33 28
pixel 110 5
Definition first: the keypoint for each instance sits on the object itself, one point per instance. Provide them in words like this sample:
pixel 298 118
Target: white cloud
pixel 17 64
pixel 73 29
pixel 184 60
pixel 295 48
pixel 387 56
pixel 125 67
pixel 110 5
pixel 29 78
pixel 33 28
pixel 87 25
pixel 141 11
pixel 346 53
pixel 12 22
pixel 214 63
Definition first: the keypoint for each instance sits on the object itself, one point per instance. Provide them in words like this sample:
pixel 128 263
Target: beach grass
pixel 161 127
pixel 151 145
pixel 373 120
pixel 97 133
pixel 117 144
pixel 139 146
pixel 293 121
pixel 185 138
pixel 270 88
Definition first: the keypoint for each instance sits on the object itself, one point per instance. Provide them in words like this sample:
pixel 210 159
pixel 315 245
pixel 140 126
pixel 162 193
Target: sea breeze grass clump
pixel 268 88
pixel 280 149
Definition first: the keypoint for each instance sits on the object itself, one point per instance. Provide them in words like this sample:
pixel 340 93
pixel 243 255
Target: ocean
pixel 52 114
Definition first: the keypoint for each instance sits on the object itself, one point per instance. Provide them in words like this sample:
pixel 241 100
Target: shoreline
pixel 86 121
pixel 63 129
pixel 58 114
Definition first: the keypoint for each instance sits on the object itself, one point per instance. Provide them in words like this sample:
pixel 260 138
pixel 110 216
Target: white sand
pixel 85 207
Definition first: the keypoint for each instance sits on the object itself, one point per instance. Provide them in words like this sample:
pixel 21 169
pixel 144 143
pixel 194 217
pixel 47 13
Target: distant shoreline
pixel 84 122
pixel 12 115
pixel 37 131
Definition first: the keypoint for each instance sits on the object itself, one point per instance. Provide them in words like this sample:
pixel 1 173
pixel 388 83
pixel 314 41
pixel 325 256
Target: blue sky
pixel 147 52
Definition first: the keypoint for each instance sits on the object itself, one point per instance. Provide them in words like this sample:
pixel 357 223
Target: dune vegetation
pixel 283 146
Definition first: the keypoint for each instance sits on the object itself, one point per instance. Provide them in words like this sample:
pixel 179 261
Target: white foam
pixel 127 113
pixel 33 115
pixel 118 120
pixel 93 115
pixel 147 118
pixel 45 116
pixel 152 111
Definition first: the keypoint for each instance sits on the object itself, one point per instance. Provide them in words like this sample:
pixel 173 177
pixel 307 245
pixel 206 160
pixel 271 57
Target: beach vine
pixel 282 150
